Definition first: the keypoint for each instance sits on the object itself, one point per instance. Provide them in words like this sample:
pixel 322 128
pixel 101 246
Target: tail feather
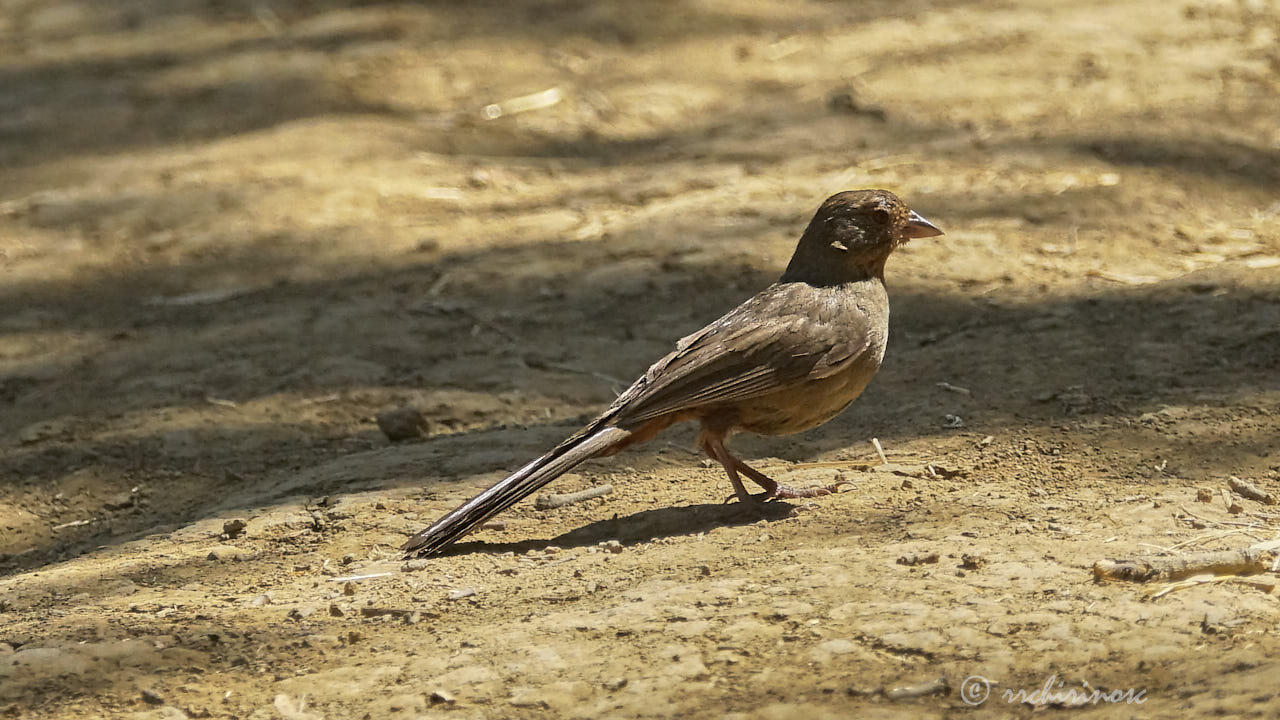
pixel 517 486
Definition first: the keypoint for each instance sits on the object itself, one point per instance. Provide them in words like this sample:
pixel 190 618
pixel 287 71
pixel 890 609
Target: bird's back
pixel 847 327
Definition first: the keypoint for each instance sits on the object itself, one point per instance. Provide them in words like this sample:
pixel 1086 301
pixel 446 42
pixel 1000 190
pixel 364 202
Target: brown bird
pixel 786 360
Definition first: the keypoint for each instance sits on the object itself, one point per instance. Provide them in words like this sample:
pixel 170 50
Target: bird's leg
pixel 769 484
pixel 784 492
pixel 713 445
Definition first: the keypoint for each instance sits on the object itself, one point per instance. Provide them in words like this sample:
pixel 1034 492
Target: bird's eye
pixel 880 215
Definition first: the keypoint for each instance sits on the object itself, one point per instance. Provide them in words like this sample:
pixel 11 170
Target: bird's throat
pixel 829 266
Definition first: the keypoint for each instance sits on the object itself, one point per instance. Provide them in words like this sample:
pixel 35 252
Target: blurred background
pixel 232 232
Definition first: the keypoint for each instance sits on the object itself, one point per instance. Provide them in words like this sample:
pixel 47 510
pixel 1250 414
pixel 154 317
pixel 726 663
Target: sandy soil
pixel 231 233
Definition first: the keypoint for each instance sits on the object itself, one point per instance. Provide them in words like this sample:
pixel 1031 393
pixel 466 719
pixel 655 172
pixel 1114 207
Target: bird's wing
pixel 777 339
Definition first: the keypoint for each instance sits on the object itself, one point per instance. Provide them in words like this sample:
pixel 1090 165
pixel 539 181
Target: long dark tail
pixel 519 485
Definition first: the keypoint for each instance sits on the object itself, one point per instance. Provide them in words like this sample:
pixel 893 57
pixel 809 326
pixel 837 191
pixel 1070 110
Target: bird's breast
pixel 810 403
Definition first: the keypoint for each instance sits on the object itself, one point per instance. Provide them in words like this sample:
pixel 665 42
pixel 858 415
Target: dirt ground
pixel 232 232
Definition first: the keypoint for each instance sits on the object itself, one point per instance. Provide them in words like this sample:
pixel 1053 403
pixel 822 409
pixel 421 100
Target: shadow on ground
pixel 372 338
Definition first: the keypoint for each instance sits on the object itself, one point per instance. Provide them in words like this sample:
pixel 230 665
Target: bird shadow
pixel 639 527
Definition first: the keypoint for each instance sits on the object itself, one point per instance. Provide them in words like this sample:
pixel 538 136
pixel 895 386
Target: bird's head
pixel 852 235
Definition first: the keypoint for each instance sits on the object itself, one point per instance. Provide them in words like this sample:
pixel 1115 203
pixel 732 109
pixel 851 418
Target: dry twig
pixel 1264 584
pixel 1244 561
pixel 880 451
pixel 547 502
pixel 1246 489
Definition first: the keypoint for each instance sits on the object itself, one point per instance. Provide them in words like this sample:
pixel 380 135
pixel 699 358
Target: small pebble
pixel 301 613
pixel 225 553
pixel 123 501
pixel 921 558
pixel 461 593
pixel 937 686
pixel 232 528
pixel 404 423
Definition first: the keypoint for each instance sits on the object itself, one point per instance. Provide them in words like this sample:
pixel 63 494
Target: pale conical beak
pixel 918 227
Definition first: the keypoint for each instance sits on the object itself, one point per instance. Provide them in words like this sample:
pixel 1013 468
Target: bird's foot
pixel 749 500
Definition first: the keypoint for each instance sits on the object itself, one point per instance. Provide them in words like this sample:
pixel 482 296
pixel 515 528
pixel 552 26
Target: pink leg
pixel 769 484
pixel 713 445
pixel 784 492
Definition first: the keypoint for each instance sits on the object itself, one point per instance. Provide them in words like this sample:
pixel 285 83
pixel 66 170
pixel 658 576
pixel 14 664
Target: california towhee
pixel 788 359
